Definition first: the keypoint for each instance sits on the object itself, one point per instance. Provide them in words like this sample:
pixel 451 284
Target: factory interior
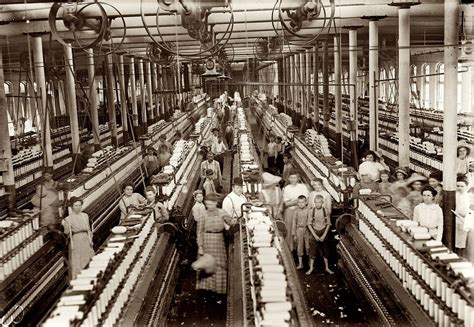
pixel 237 163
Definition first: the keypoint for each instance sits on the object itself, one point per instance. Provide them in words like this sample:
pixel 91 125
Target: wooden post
pixel 123 99
pixel 338 95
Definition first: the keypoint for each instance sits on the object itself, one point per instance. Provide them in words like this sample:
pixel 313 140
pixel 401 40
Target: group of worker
pixel 420 197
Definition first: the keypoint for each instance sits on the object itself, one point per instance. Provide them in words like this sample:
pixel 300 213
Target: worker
pixel 161 212
pixel 163 156
pixel 219 148
pixel 210 240
pixel 46 199
pixel 77 227
pixel 399 176
pixel 213 165
pixel 463 203
pixel 199 209
pixel 271 193
pixel 208 186
pixel 229 135
pixel 366 182
pixel 415 184
pixel 129 199
pixel 385 185
pixel 318 189
pixel 434 180
pixel 428 214
pixel 372 165
pixel 162 141
pixel 290 195
pixel 232 203
pixel 151 161
pixel 462 160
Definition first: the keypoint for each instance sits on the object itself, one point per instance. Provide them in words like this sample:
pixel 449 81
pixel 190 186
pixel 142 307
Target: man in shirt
pixel 218 148
pixel 211 164
pixel 232 203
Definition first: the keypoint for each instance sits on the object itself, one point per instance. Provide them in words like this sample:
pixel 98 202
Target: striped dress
pixel 210 237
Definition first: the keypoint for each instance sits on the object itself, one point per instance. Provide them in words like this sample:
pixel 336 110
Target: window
pixel 426 86
pixel 392 89
pixel 414 87
pixel 440 87
pixel 8 88
pixel 383 88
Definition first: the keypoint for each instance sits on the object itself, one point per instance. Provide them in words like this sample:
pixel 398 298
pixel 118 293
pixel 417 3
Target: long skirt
pixel 80 255
pixel 288 216
pixel 213 244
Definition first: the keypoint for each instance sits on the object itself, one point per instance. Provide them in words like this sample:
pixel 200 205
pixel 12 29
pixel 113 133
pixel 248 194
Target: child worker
pixel 318 227
pixel 300 222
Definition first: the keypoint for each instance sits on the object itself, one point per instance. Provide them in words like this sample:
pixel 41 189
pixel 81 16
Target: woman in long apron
pixel 77 226
pixel 210 239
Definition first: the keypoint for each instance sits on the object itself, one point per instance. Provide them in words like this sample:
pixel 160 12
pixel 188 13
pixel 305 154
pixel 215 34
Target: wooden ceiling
pixel 252 19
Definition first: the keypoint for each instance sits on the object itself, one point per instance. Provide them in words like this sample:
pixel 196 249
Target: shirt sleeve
pixel 227 206
pixel 416 214
pixel 141 198
pixel 439 237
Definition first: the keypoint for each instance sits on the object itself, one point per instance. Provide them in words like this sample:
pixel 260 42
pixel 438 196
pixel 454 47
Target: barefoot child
pixel 318 227
pixel 300 222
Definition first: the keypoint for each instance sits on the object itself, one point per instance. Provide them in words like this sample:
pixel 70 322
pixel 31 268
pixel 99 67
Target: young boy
pixel 318 227
pixel 272 152
pixel 208 184
pixel 300 222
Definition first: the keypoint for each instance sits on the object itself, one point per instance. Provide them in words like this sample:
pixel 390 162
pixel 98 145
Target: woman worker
pixel 210 240
pixel 46 198
pixel 77 226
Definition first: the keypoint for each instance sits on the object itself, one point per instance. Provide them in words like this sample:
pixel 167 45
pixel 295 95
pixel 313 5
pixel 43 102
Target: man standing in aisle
pixel 232 203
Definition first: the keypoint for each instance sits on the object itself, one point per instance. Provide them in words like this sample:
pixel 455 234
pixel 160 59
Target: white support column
pixel 353 87
pixel 44 114
pixel 301 80
pixel 316 85
pixel 404 86
pixel 451 36
pixel 109 74
pixel 326 109
pixel 155 87
pixel 149 89
pixel 141 78
pixel 338 95
pixel 294 95
pixel 133 87
pixel 71 96
pixel 93 98
pixel 307 88
pixel 123 99
pixel 373 88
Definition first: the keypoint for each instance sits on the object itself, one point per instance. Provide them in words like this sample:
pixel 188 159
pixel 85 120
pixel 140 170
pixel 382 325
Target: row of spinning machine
pixel 33 272
pixel 394 266
pixel 263 284
pixel 106 291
